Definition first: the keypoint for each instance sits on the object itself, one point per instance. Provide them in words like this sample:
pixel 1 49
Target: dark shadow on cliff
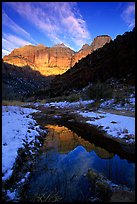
pixel 115 60
pixel 18 83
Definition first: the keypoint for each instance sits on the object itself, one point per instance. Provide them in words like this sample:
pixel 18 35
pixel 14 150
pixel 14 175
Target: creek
pixel 63 164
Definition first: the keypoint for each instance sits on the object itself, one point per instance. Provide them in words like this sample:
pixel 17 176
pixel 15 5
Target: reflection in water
pixel 65 161
pixel 102 153
pixel 64 140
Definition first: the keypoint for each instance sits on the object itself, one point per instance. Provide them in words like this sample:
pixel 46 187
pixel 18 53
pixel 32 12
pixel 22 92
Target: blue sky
pixel 71 23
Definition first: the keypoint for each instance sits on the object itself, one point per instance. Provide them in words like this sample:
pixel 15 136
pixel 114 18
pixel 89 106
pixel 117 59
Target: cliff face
pixel 52 60
pixel 86 49
pixel 100 41
pixel 115 60
pixel 47 60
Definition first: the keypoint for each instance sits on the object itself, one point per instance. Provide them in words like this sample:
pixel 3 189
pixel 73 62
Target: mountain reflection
pixel 65 161
pixel 64 140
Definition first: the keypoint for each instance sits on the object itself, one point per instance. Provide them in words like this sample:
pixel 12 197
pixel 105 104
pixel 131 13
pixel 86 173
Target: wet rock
pixel 103 189
pixel 92 175
pixel 71 120
pixel 94 199
pixel 107 191
pixel 122 196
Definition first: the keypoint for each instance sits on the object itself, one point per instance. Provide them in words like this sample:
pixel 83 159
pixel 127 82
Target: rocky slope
pixel 115 60
pixel 52 60
pixel 20 81
pixel 86 49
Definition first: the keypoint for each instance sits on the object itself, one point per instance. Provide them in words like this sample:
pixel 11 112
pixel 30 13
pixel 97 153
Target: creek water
pixel 65 160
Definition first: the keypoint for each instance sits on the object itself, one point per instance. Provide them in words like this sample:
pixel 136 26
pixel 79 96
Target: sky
pixel 71 23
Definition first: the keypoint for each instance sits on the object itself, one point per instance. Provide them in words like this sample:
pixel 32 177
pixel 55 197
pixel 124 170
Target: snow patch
pixel 127 104
pixel 16 127
pixel 11 195
pixel 66 104
pixel 115 125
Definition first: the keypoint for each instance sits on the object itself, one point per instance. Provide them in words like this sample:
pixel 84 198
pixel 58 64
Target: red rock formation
pixel 98 42
pixel 52 60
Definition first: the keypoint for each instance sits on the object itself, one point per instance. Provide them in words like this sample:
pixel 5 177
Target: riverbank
pixel 95 125
pixel 21 139
pixel 116 124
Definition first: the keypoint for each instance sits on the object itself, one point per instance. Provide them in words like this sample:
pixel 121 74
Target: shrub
pixel 100 91
pixel 12 103
pixel 43 197
pixel 73 97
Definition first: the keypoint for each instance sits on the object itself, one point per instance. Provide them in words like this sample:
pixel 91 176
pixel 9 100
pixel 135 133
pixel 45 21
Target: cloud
pixel 5 52
pixel 16 28
pixel 10 42
pixel 17 41
pixel 128 15
pixel 60 21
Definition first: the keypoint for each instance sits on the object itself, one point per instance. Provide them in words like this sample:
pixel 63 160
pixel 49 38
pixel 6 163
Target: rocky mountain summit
pixel 52 60
pixel 86 49
pixel 115 60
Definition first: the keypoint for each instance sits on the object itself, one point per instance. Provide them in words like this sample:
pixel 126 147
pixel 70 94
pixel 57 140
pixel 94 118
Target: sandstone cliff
pixel 115 60
pixel 52 60
pixel 86 49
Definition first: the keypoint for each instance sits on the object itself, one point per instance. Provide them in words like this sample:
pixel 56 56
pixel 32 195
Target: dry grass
pixel 12 103
pixel 119 112
pixel 43 101
pixel 52 197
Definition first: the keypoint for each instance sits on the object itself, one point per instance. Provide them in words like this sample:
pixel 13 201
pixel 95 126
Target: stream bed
pixel 66 157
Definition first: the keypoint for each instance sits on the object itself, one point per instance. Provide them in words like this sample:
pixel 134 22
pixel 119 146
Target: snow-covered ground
pixel 17 124
pixel 66 104
pixel 115 125
pixel 128 104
